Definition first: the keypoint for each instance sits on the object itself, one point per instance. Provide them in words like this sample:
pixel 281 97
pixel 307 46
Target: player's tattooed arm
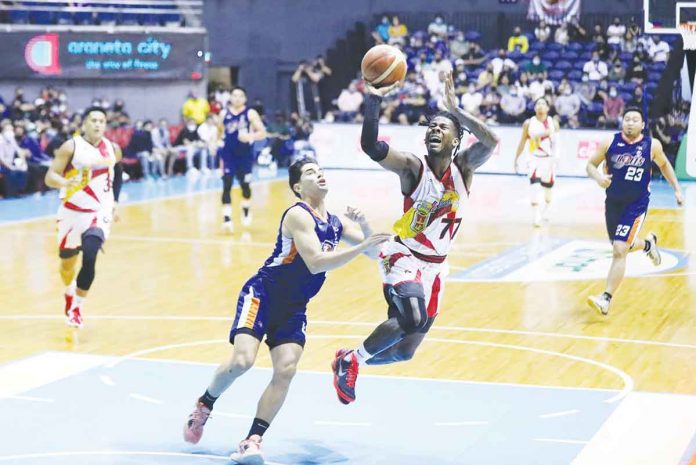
pixel 660 159
pixel 405 164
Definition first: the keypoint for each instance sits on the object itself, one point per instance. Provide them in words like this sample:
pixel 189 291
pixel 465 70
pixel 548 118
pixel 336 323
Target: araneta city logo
pixel 41 54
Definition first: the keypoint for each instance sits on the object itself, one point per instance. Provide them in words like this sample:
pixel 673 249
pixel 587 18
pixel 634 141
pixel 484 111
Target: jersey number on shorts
pixel 448 222
pixel 634 174
pixel 107 188
pixel 622 230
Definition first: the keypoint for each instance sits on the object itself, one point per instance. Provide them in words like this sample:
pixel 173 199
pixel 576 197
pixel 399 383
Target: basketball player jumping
pixel 413 264
pixel 242 127
pixel 273 302
pixel 540 130
pixel 628 156
pixel 87 171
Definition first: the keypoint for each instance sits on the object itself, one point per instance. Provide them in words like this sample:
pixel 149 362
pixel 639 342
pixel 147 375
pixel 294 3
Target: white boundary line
pixel 189 455
pixel 564 413
pixel 562 441
pixel 368 324
pixel 625 378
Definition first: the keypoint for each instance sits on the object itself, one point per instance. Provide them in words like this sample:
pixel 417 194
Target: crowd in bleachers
pixel 144 13
pixel 588 77
pixel 31 129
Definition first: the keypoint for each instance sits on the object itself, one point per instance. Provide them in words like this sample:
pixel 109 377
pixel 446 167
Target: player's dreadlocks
pixel 457 125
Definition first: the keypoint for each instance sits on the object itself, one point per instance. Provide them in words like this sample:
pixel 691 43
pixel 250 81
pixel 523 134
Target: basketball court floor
pixel 517 369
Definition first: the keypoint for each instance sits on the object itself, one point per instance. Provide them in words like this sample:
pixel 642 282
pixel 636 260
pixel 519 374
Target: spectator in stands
pixel 413 100
pixel 617 71
pixel 490 105
pixel 536 68
pixel 563 85
pixel 634 28
pixel 460 76
pixel 432 72
pixel 613 107
pixel 629 43
pixel 502 63
pixel 20 108
pixel 638 97
pixel 190 143
pixel 658 50
pixel 438 27
pixel 398 33
pixel 598 36
pixel 222 96
pixel 513 107
pixel 567 105
pixel 595 68
pixel 210 136
pixel 381 32
pixel 486 77
pixel 37 161
pixel 562 35
pixel 616 32
pixel 542 32
pixel 669 135
pixel 539 87
pixel 215 106
pixel 474 57
pixel 504 84
pixel 458 46
pixel 140 145
pixel 522 85
pixel 348 103
pixel 279 140
pixel 162 146
pixel 576 32
pixel 13 162
pixel 307 78
pixel 518 41
pixel 471 99
pixel 636 71
pixel 195 108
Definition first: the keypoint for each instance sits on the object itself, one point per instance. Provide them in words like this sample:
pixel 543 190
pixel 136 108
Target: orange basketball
pixel 383 65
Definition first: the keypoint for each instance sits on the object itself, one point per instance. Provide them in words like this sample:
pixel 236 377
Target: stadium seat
pixel 550 56
pixel 627 87
pixel 537 46
pixel 626 96
pixel 563 65
pixel 654 77
pixel 575 46
pixel 570 55
pixel 589 46
pixel 556 74
pixel 626 56
pixel 472 36
pixel 579 65
pixel 575 75
pixel 585 56
pixel 556 47
pixel 41 17
pixel 19 16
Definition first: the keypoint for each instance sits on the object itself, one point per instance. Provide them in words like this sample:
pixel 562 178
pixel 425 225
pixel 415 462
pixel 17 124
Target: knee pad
pixel 92 242
pixel 226 187
pixel 409 300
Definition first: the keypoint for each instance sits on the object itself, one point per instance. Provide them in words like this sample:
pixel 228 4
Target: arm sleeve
pixel 377 150
pixel 118 180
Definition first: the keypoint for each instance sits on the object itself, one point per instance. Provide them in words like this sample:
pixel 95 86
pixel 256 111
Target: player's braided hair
pixel 458 127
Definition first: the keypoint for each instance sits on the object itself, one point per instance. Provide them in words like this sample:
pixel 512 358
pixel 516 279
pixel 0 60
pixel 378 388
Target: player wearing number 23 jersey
pixel 628 158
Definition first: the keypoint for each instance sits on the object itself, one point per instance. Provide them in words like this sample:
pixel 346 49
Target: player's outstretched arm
pixel 660 159
pixel 604 180
pixel 356 229
pixel 405 164
pixel 299 225
pixel 61 159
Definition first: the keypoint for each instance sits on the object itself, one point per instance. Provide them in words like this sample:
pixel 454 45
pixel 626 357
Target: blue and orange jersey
pixel 629 164
pixel 233 125
pixel 285 273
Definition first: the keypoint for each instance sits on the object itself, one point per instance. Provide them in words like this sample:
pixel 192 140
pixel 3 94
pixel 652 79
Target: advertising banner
pixel 90 55
pixel 338 146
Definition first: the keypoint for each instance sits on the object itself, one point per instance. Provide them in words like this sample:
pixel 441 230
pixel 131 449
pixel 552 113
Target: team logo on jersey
pixel 415 220
pixel 564 260
pixel 627 159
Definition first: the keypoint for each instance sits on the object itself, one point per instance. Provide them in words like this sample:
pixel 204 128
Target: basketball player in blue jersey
pixel 626 179
pixel 242 126
pixel 273 302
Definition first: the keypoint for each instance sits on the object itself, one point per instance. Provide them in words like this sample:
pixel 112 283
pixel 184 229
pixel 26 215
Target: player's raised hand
pixel 604 181
pixel 354 214
pixel 381 91
pixel 680 198
pixel 450 97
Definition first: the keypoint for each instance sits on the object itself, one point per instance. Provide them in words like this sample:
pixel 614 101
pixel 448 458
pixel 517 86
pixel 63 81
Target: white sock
pixel 362 355
pixel 70 289
pixel 227 211
pixel 77 302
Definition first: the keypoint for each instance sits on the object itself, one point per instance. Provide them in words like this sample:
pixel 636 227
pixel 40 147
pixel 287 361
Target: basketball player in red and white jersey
pixel 541 131
pixel 413 264
pixel 87 171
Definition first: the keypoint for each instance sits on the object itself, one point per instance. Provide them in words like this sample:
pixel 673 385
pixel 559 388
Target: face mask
pixel 516 34
pixel 585 78
pixel 536 61
pixel 567 92
pixel 612 93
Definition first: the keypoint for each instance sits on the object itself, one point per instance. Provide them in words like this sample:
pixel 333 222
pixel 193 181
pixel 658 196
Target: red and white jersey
pixel 540 143
pixel 95 167
pixel 432 213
